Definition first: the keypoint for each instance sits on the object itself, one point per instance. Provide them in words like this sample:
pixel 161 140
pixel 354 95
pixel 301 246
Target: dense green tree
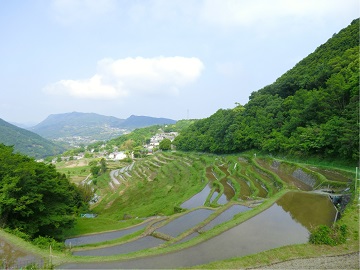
pixel 34 197
pixel 103 166
pixel 165 144
pixel 95 170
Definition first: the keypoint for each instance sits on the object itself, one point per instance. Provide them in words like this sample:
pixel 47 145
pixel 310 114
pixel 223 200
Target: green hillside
pixel 311 110
pixel 27 142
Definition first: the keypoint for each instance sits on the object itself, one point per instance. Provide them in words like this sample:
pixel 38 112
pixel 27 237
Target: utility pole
pixel 357 179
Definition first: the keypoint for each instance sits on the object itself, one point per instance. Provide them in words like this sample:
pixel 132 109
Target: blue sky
pixel 160 58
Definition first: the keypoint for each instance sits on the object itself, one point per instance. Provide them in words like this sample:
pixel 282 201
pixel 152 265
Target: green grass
pixel 98 224
pixel 173 183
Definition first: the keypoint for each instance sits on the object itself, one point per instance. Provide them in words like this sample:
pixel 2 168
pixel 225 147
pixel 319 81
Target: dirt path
pixel 347 261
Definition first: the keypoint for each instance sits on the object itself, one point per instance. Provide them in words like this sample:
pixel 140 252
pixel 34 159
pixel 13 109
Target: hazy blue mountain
pixel 92 126
pixel 27 142
pixel 144 121
pixel 78 124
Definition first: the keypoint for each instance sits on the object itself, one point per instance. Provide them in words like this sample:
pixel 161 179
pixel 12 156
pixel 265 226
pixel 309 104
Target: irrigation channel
pixel 286 222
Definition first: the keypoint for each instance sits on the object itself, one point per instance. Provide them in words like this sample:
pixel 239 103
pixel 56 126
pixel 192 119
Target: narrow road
pixel 114 173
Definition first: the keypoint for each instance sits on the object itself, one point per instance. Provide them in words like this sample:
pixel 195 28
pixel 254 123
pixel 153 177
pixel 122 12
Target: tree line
pixel 311 110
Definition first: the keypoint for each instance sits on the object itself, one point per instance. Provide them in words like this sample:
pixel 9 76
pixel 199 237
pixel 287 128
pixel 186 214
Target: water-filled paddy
pixel 281 224
pixel 185 222
pixel 245 191
pixel 263 192
pixel 226 216
pixel 198 199
pixel 222 200
pixel 309 209
pixel 139 244
pixel 102 237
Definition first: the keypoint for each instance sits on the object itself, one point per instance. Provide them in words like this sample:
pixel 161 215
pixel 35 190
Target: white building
pixel 117 155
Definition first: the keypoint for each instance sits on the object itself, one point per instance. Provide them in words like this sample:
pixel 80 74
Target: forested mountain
pixel 95 126
pixel 311 110
pixel 27 142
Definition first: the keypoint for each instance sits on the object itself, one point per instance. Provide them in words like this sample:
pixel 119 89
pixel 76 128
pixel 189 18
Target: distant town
pixel 148 148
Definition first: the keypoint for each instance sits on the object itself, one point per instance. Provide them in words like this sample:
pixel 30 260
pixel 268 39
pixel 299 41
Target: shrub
pixel 18 233
pixel 324 235
pixel 46 242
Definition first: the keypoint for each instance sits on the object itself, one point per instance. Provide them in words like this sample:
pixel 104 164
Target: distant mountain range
pixel 46 138
pixel 27 142
pixel 92 126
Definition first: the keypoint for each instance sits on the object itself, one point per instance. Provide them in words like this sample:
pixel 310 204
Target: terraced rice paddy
pixel 183 196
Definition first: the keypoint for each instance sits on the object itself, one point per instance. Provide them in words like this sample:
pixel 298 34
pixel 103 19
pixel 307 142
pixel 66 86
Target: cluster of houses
pixel 120 155
pixel 153 144
pixel 156 139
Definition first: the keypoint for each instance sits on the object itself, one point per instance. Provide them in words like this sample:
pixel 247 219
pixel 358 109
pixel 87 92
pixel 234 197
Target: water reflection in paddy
pixel 101 237
pixel 139 244
pixel 185 222
pixel 226 216
pixel 322 209
pixel 222 200
pixel 198 199
pixel 277 226
pixel 187 238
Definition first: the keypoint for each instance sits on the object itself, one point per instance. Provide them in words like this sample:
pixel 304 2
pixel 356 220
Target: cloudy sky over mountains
pixel 161 58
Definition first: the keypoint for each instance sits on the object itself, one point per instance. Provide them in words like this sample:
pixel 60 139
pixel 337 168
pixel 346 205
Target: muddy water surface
pixel 228 189
pixel 245 191
pixel 298 205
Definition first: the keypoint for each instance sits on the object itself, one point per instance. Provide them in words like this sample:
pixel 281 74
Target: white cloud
pixel 92 88
pixel 73 11
pixel 132 76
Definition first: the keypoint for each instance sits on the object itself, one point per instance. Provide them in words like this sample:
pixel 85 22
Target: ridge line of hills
pixel 53 135
pixel 93 125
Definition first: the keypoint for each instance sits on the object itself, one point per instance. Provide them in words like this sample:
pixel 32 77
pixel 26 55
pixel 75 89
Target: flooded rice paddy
pixel 185 222
pixel 102 237
pixel 139 244
pixel 226 216
pixel 286 222
pixel 198 199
